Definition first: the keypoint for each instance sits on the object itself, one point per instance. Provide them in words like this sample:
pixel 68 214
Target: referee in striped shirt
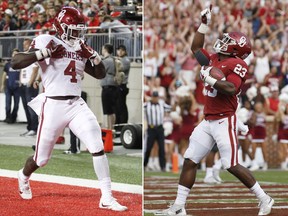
pixel 154 113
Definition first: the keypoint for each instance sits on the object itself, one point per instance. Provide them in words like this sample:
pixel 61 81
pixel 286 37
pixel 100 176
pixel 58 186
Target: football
pixel 216 73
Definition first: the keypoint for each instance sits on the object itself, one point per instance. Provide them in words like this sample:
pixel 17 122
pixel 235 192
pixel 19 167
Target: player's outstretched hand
pixel 57 51
pixel 206 15
pixel 51 51
pixel 204 72
pixel 88 52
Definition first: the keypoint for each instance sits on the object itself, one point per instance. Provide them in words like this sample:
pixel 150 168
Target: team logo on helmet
pixel 242 41
pixel 61 15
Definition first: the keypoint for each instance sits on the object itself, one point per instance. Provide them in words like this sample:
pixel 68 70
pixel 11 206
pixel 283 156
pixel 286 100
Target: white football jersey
pixel 60 76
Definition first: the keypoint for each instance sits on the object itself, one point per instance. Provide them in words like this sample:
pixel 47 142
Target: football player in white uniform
pixel 63 59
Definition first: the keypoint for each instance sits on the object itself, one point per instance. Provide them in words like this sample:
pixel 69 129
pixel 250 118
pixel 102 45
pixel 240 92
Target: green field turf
pixel 274 176
pixel 123 169
pixel 269 176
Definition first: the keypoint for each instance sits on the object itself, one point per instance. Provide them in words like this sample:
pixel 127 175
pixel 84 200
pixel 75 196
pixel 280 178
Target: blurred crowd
pixel 39 14
pixel 171 69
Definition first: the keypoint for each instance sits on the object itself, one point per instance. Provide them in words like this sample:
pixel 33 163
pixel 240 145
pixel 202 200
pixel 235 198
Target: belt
pixel 62 97
pixel 110 86
pixel 154 126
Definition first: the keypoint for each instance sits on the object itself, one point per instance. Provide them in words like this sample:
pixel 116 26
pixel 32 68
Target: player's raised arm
pixel 198 41
pixel 94 66
pixel 24 59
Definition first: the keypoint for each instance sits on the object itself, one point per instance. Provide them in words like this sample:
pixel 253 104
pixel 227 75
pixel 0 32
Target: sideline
pixel 126 188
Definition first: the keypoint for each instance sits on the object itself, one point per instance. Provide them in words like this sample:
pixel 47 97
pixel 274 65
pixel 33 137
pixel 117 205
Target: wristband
pixel 210 80
pixel 203 28
pixel 43 53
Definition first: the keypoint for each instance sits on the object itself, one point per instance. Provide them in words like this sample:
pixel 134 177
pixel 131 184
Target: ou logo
pixel 61 15
pixel 242 41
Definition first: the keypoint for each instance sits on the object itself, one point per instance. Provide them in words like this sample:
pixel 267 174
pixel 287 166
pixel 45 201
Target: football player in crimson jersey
pixel 63 59
pixel 220 123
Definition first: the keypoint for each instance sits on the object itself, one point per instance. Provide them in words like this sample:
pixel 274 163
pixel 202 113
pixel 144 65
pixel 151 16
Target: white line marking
pixel 127 188
pixel 213 209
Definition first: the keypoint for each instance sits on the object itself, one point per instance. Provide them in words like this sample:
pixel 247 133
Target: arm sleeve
pixel 40 42
pixel 235 79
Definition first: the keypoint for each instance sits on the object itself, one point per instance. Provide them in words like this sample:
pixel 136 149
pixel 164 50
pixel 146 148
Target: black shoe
pixel 10 121
pixel 33 147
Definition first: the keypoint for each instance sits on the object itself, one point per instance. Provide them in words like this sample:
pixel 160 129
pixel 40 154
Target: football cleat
pixel 266 206
pixel 216 175
pixel 173 210
pixel 24 188
pixel 112 205
pixel 254 167
pixel 211 180
pixel 30 133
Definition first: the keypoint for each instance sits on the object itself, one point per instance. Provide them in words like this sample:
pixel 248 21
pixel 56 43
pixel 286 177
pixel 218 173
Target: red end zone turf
pixel 61 200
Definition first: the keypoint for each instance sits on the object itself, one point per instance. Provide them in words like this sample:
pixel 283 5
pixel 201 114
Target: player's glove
pixel 204 72
pixel 242 127
pixel 51 51
pixel 204 75
pixel 88 52
pixel 206 20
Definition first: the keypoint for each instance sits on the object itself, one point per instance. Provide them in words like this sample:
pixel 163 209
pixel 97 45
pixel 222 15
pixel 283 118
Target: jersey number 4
pixel 71 71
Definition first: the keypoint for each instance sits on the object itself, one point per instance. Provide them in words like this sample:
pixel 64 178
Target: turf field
pixel 123 168
pixel 228 198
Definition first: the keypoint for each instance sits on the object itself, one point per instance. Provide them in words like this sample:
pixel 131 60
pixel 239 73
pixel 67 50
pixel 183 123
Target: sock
pixel 101 168
pixel 254 162
pixel 182 195
pixel 209 172
pixel 22 176
pixel 217 164
pixel 259 192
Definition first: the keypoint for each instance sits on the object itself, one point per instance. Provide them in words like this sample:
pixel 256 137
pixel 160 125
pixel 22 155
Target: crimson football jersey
pixel 220 105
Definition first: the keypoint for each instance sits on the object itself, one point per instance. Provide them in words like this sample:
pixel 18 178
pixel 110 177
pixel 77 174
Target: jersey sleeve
pixel 235 79
pixel 41 42
pixel 238 72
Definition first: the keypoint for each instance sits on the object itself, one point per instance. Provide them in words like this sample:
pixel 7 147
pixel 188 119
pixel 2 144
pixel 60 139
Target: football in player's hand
pixel 216 73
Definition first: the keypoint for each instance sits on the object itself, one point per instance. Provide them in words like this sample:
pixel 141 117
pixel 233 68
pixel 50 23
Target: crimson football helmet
pixel 70 25
pixel 233 44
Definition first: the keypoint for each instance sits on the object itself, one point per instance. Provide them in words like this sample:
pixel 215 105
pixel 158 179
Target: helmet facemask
pixel 72 34
pixel 221 46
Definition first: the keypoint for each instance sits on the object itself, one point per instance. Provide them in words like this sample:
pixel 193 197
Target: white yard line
pixel 126 188
pixel 213 209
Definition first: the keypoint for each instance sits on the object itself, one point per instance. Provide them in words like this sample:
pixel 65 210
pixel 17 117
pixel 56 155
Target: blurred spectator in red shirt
pixel 51 14
pixel 93 21
pixel 25 24
pixel 43 24
pixel 3 5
